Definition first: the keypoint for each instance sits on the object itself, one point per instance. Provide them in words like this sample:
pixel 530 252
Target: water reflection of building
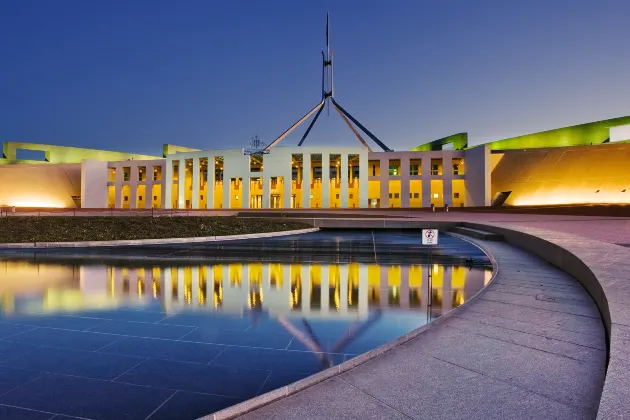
pixel 307 289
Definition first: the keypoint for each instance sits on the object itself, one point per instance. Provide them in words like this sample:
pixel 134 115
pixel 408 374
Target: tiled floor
pixel 108 365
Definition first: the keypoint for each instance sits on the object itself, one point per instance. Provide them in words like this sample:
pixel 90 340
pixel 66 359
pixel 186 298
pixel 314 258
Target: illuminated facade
pixel 581 164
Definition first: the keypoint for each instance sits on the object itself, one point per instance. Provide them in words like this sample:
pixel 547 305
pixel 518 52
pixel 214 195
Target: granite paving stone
pixel 15 413
pixel 181 351
pixel 79 340
pixel 141 329
pixel 190 405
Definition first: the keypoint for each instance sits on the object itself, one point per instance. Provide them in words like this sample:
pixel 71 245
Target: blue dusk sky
pixel 132 75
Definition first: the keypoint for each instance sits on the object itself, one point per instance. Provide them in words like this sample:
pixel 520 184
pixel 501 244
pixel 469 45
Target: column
pixel 306 181
pixel 194 295
pixel 244 196
pixel 167 288
pixel 384 287
pixel 364 175
pixel 148 188
pixel 286 186
pixel 344 181
pixel 167 192
pixel 118 186
pixel 447 181
pixel 210 185
pixel 404 286
pixel 181 283
pixel 133 186
pixel 181 184
pixel 447 289
pixel 227 188
pixel 404 182
pixel 196 174
pixel 325 181
pixel 384 183
pixel 266 191
pixel 427 198
pixel 306 289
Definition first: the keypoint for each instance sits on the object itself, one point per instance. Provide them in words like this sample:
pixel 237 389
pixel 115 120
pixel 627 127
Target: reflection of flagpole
pixel 308 342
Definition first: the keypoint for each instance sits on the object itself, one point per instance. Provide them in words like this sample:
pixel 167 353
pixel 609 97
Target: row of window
pixel 394 170
pixel 411 195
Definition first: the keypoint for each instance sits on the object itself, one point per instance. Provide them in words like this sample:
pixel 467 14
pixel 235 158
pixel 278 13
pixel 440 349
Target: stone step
pixel 477 234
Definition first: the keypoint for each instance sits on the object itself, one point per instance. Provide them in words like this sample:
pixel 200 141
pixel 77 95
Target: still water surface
pixel 157 341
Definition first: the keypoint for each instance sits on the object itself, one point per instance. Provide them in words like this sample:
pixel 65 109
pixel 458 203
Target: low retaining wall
pixel 147 242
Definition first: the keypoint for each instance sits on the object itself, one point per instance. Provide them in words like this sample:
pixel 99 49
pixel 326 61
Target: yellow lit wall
pixel 459 193
pixel 236 193
pixel 316 193
pixel 374 192
pixel 394 193
pixel 335 194
pixel 141 196
pixel 50 185
pixel 564 175
pixel 125 197
pixel 415 187
pixel 218 194
pixel 437 192
pixel 276 201
pixel 111 196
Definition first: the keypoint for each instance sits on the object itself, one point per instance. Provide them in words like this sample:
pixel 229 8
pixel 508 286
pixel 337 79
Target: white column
pixel 306 181
pixel 167 288
pixel 118 187
pixel 404 182
pixel 167 192
pixel 325 181
pixel 363 180
pixel 427 198
pixel 343 167
pixel 244 195
pixel 196 173
pixel 181 184
pixel 133 186
pixel 211 181
pixel 148 187
pixel 286 186
pixel 266 191
pixel 227 189
pixel 384 162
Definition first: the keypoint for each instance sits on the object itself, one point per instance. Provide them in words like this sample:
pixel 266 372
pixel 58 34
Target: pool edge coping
pixel 312 380
pixel 145 242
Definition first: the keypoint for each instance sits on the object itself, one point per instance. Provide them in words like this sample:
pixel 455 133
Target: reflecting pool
pixel 202 336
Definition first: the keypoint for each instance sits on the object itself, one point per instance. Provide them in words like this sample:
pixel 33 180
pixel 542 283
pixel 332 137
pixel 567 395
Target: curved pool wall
pixel 346 301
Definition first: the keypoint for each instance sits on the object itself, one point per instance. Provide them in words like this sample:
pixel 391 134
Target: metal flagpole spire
pixel 328 97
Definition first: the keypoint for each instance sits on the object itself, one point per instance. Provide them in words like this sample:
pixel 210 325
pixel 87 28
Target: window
pixel 434 169
pixel 456 169
pixel 337 196
pixel 390 195
pixel 396 195
pixel 126 198
pixel 202 197
pixel 140 197
pixel 456 195
pixel 126 174
pixel 416 195
pixel 413 170
pixel 155 197
pixel 393 170
pixel 373 170
pixel 351 196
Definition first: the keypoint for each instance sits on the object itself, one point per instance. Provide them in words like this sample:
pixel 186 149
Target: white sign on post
pixel 429 236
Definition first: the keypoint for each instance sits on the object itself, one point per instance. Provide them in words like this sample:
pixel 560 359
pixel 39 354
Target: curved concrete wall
pixel 40 185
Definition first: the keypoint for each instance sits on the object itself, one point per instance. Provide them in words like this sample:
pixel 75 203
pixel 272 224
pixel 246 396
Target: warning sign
pixel 429 236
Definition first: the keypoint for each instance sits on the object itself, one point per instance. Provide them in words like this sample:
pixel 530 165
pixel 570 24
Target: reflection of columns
pixel 363 180
pixel 404 286
pixel 196 173
pixel 306 181
pixel 181 184
pixel 286 284
pixel 447 289
pixel 210 284
pixel 343 288
pixel 384 292
pixel 180 286
pixel 427 198
pixel 344 181
pixel 194 296
pixel 363 289
pixel 325 289
pixel 424 293
pixel 325 204
pixel 167 192
pixel 167 288
pixel 306 289
pixel 210 184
